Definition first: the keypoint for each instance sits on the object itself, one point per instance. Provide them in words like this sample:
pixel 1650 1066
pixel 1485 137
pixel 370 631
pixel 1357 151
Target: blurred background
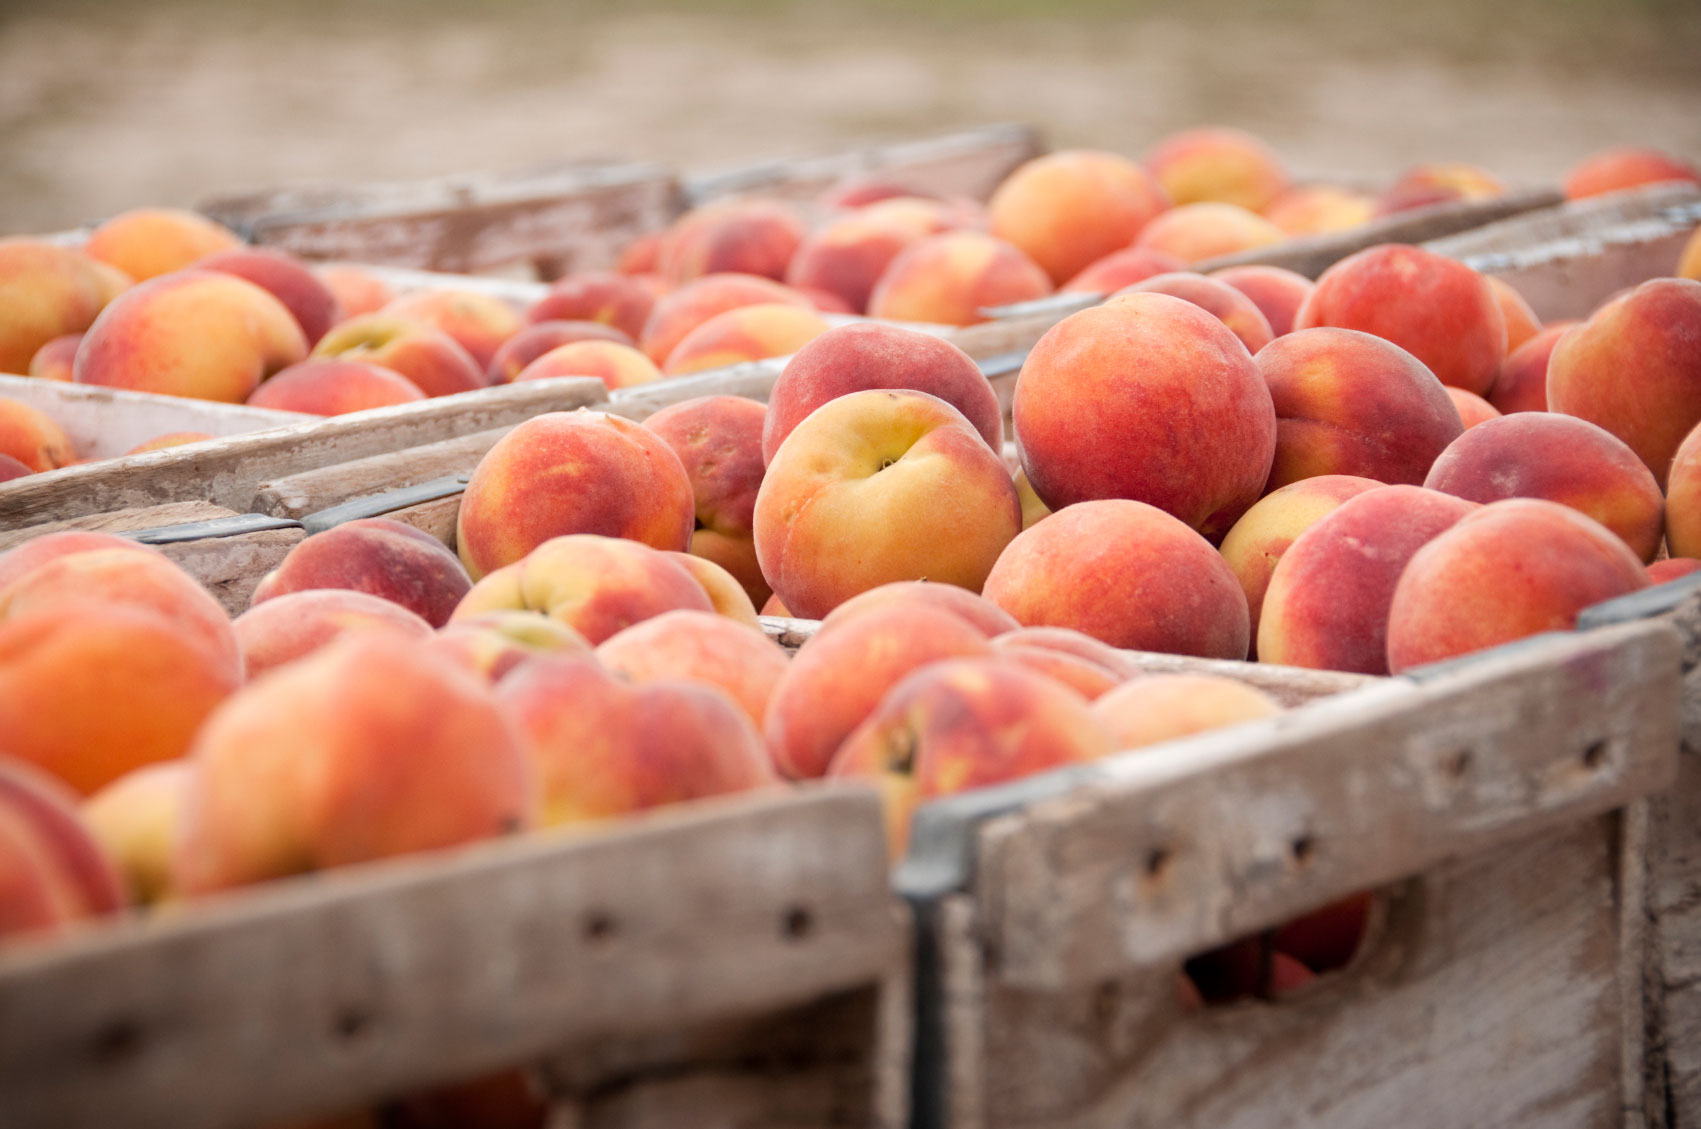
pixel 106 104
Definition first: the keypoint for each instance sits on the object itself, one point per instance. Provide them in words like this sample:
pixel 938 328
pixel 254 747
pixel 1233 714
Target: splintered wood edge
pixel 1175 849
pixel 322 993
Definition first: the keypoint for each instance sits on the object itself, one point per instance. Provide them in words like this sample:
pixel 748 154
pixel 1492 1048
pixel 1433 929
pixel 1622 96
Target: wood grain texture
pixel 232 567
pixel 121 521
pixel 298 495
pixel 1519 234
pixel 104 423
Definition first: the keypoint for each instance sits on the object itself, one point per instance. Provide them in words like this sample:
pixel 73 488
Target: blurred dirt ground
pixel 106 105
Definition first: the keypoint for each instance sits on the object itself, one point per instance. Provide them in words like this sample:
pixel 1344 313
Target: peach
pixel 147 242
pixel 1427 185
pixel 749 333
pixel 876 486
pixel 867 188
pixel 1033 510
pixel 324 387
pixel 616 365
pixel 1473 409
pixel 1324 939
pixel 1522 383
pixel 135 819
pixel 1214 164
pixel 1088 679
pixel 11 468
pixel 1078 644
pixel 960 602
pixel 1222 301
pixel 838 677
pixel 1195 232
pixel 726 595
pixel 949 278
pixel 380 557
pixel 615 300
pixel 854 358
pixel 52 871
pixel 595 585
pixel 1163 707
pixel 508 1099
pixel 1521 321
pixel 642 255
pixel 1634 369
pixel 964 724
pixel 847 256
pixel 62 670
pixel 1613 170
pixel 1688 262
pixel 535 340
pixel 1064 572
pixel 45 547
pixel 366 750
pixel 1258 540
pixel 756 237
pixel 492 644
pixel 1121 268
pixel 29 435
pixel 1561 459
pixel 191 333
pixel 1277 292
pixel 1151 399
pixel 169 439
pixel 285 278
pixel 431 359
pixel 1319 209
pixel 1350 403
pixel 53 360
pixel 357 290
pixel 776 607
pixel 572 472
pixel 1511 569
pixel 1661 572
pixel 293 625
pixel 1069 209
pixel 701 299
pixel 701 647
pixel 1326 606
pixel 1438 309
pixel 46 291
pixel 478 322
pixel 1683 499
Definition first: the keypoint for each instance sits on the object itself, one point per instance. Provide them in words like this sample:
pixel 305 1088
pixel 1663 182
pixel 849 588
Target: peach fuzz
pixel 595 585
pixel 572 472
pixel 1277 292
pixel 964 724
pixel 357 290
pixel 431 359
pixel 29 435
pixel 535 340
pixel 616 365
pixel 46 291
pixel 615 300
pixel 949 278
pixel 1614 170
pixel 134 819
pixel 1215 164
pixel 367 750
pixel 147 242
pixel 1662 572
pixel 1258 540
pixel 1064 572
pixel 1319 209
pixel 696 302
pixel 1326 606
pixel 52 871
pixel 1121 268
pixel 45 547
pixel 1151 399
pixel 292 625
pixel 1473 409
pixel 324 387
pixel 62 670
pixel 1351 403
pixel 1163 707
pixel 285 278
pixel 1683 499
pixel 1069 209
pixel 701 647
pixel 1438 309
pixel 1561 459
pixel 603 748
pixel 847 256
pixel 749 333
pixel 478 322
pixel 1510 570
pixel 1222 301
pixel 1521 321
pixel 169 439
pixel 53 361
pixel 838 677
pixel 1634 369
pixel 756 237
pixel 855 358
pixel 726 595
pixel 1195 232
pixel 1522 383
pixel 191 333
pixel 876 486
pixel 378 556
pixel 968 606
pixel 492 644
pixel 1689 262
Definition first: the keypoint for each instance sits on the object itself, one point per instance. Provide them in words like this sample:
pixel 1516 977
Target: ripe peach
pixel 1221 165
pixel 847 256
pixel 1194 232
pixel 1063 573
pixel 572 472
pixel 431 359
pixel 1327 603
pixel 357 290
pixel 1319 209
pixel 749 333
pixel 854 358
pixel 701 647
pixel 960 602
pixel 1069 209
pixel 1068 641
pixel 1427 185
pixel 1222 301
pixel 45 547
pixel 1163 707
pixel 1438 309
pixel 169 439
pixel 491 644
pixel 1033 510
pixel 135 819
pixel 726 595
pixel 1324 939
pixel 324 387
pixel 1522 384
pixel 147 242
pixel 478 322
pixel 53 361
pixel 535 340
pixel 868 188
pixel 380 557
pixel 1088 679
pixel 642 255
pixel 291 626
pixel 1521 321
pixel 949 278
pixel 615 300
pixel 1121 268
pixel 1512 569
pixel 776 607
pixel 1151 399
pixel 1277 292
pixel 46 291
pixel 755 237
pixel 1683 499
pixel 1350 403
pixel 1473 409
pixel 1661 572
pixel 11 468
pixel 52 872
pixel 701 299
pixel 616 365
pixel 285 278
pixel 29 435
pixel 1613 170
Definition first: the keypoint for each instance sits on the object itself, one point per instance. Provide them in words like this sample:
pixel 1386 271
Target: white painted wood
pixel 102 423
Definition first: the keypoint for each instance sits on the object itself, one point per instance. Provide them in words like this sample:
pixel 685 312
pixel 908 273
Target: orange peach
pixel 1326 606
pixel 1277 292
pixel 1661 572
pixel 859 191
pixel 1088 679
pixel 755 237
pixel 1473 409
pixel 726 594
pixel 1427 185
pixel 1121 268
pixel 1151 399
pixel 1195 232
pixel 1613 170
pixel 169 439
pixel 616 365
pixel 325 387
pixel 29 435
pixel 53 361
pixel 1561 459
pixel 691 305
pixel 701 647
pixel 776 607
pixel 1069 209
pixel 291 626
pixel 749 333
pixel 1438 309
pixel 1522 383
pixel 1683 499
pixel 135 819
pixel 356 289
pixel 491 644
pixel 285 278
pixel 380 557
pixel 847 256
pixel 431 359
pixel 1214 164
pixel 1068 641
pixel 535 340
pixel 1634 369
pixel 1324 939
pixel 1351 403
pixel 1689 262
pixel 1319 209
pixel 1521 321
pixel 615 300
pixel 46 291
pixel 1222 301
pixel 1163 707
pixel 1511 569
pixel 1064 573
pixel 949 278
pixel 572 472
pixel 147 242
pixel 960 602
pixel 478 322
pixel 53 873
pixel 191 333
pixel 41 549
pixel 642 255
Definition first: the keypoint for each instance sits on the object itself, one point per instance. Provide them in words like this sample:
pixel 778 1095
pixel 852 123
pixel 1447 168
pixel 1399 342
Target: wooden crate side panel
pixel 298 495
pixel 103 423
pixel 1566 220
pixel 1573 278
pixel 232 567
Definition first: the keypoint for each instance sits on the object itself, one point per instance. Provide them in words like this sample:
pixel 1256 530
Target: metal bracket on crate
pixel 377 505
pixel 233 526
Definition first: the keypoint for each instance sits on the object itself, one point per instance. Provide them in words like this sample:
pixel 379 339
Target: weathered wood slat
pixel 298 495
pixel 103 423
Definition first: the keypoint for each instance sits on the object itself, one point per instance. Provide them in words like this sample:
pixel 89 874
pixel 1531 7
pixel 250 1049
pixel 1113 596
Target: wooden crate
pixel 728 963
